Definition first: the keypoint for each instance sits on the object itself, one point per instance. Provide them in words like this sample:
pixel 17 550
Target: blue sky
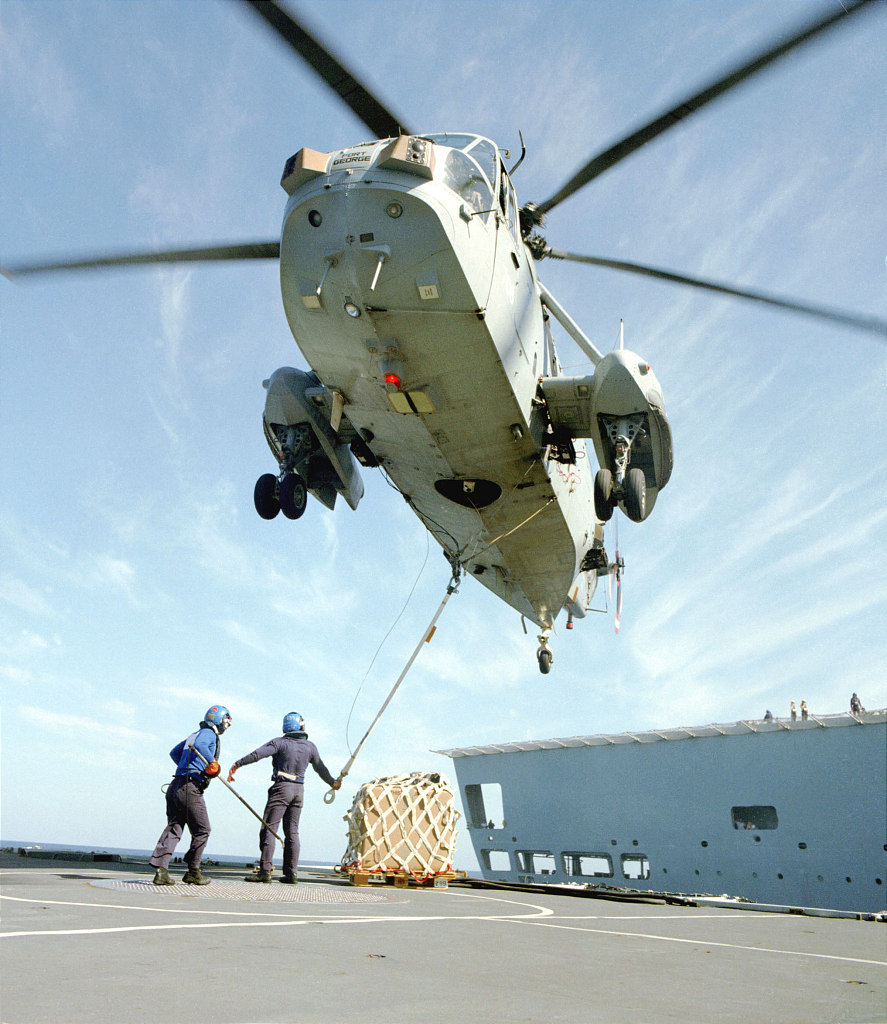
pixel 137 584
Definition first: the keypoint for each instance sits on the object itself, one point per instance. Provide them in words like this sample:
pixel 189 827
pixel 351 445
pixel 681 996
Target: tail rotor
pixel 614 578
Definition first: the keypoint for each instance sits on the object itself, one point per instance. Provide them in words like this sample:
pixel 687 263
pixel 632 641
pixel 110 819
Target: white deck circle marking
pixel 272 920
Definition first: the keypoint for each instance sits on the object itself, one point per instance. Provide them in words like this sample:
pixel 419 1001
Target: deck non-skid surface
pixel 81 943
pixel 236 889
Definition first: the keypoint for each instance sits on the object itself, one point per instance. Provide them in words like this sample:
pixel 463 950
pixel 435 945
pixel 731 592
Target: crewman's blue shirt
pixel 188 763
pixel 292 754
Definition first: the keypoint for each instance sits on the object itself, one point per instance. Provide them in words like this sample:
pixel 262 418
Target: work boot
pixel 193 877
pixel 259 875
pixel 288 879
pixel 161 877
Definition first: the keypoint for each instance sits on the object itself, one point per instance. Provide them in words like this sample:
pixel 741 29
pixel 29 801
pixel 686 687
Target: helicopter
pixel 408 273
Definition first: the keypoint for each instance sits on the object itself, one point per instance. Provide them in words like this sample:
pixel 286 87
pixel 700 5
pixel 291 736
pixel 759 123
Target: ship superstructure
pixel 785 812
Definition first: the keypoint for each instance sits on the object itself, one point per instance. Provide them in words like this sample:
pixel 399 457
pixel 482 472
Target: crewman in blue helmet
pixel 197 761
pixel 290 756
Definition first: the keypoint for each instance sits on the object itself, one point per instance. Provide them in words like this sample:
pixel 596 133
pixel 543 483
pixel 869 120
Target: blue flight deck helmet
pixel 293 722
pixel 218 716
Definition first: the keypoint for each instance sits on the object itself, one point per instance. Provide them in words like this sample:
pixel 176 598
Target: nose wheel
pixel 621 484
pixel 544 655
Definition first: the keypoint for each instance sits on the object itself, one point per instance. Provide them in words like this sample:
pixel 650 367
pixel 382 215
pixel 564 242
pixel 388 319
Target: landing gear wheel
pixel 545 658
pixel 636 495
pixel 603 495
pixel 265 496
pixel 293 493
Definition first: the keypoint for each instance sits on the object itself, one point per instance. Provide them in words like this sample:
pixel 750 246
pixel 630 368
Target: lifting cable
pixel 384 638
pixel 514 529
pixel 452 587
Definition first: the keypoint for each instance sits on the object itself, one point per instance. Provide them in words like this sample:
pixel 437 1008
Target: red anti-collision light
pixel 392 378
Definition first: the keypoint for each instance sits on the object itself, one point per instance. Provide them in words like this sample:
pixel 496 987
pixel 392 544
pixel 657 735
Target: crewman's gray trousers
pixel 284 804
pixel 184 806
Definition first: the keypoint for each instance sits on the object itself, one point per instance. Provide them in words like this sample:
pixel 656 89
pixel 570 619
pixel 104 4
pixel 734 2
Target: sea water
pixel 244 860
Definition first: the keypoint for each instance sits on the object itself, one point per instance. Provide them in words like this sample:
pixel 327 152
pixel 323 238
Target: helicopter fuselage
pixel 411 295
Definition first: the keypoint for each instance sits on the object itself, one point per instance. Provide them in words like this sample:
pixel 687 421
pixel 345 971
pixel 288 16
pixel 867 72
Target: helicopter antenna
pixel 621 333
pixel 523 153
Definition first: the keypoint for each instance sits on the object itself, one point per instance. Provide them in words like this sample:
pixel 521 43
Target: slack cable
pixel 453 586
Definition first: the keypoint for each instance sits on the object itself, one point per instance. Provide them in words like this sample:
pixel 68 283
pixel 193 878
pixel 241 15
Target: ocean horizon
pixel 241 860
pixel 245 859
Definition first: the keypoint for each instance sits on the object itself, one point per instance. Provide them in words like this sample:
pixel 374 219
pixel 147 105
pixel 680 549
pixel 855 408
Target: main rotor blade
pixel 374 115
pixel 206 254
pixel 625 147
pixel 863 323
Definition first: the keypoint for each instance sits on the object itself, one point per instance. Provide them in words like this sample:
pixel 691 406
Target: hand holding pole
pixel 239 797
pixel 330 794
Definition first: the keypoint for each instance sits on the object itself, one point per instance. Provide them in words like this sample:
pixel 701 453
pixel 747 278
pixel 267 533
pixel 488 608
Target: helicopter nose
pixel 620 385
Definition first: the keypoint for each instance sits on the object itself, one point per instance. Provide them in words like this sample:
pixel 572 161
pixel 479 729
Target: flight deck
pixel 84 942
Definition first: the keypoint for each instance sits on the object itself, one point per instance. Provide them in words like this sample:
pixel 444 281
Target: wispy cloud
pixel 104 570
pixel 59 721
pixel 251 638
pixel 35 77
pixel 28 599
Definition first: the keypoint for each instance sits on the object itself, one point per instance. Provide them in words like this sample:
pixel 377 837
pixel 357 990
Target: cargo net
pixel 402 824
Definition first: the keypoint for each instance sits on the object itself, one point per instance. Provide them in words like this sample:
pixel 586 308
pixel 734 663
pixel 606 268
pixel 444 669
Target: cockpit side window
pixel 465 178
pixel 485 153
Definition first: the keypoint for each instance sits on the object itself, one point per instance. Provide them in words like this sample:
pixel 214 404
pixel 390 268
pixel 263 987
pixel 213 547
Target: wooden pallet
pixel 402 879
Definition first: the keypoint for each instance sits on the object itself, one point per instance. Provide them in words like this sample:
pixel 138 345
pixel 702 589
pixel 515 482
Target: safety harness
pixel 185 760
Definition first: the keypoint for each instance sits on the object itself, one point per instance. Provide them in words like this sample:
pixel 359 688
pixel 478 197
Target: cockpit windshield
pixel 471 169
pixel 454 140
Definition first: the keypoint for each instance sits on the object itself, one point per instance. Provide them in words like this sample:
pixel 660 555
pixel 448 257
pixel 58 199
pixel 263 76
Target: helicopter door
pixel 511 213
pixel 526 309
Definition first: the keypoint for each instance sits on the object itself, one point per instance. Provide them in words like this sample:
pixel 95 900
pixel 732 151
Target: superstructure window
pixel 754 818
pixel 588 865
pixel 496 860
pixel 484 805
pixel 635 865
pixel 536 862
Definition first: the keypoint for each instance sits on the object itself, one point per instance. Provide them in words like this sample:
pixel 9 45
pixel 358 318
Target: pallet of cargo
pixel 401 879
pixel 402 832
